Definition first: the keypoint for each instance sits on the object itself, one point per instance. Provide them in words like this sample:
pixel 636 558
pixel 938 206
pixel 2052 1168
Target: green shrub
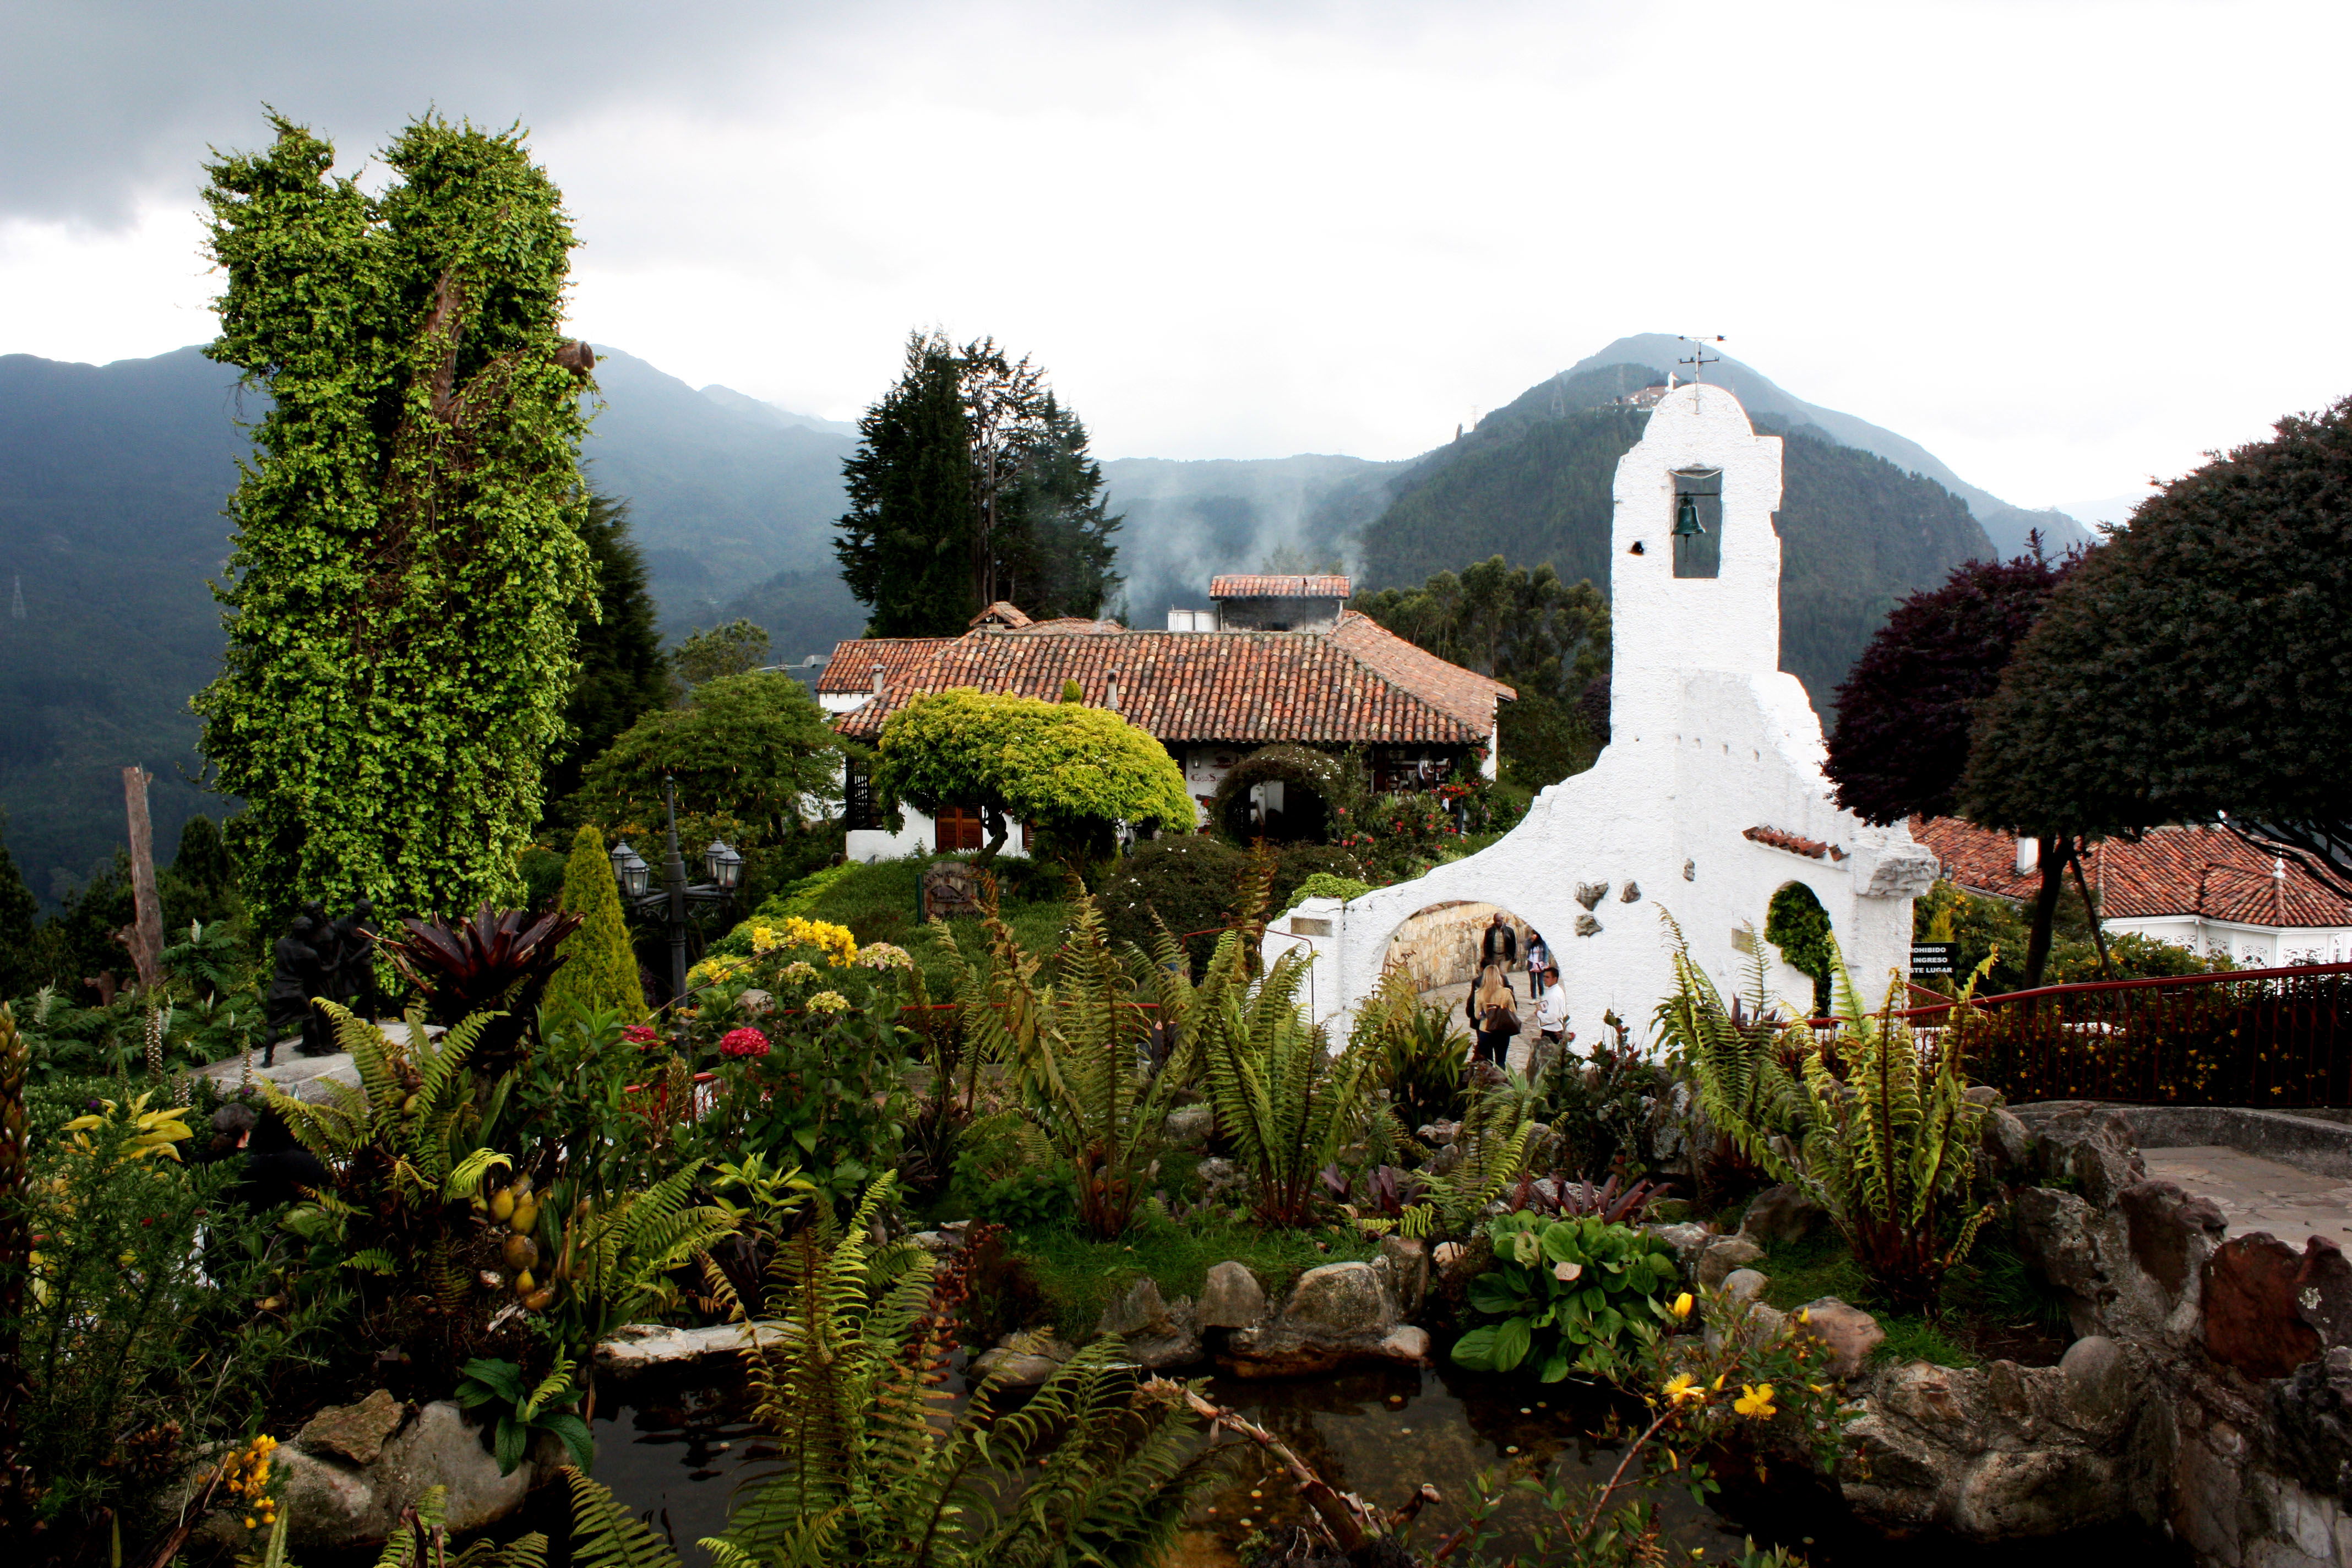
pixel 1573 1295
pixel 1326 885
pixel 1194 885
pixel 600 970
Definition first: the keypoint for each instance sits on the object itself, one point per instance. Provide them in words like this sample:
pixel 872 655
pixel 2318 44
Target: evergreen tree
pixel 754 748
pixel 407 561
pixel 1054 553
pixel 601 971
pixel 1030 522
pixel 622 674
pixel 2195 668
pixel 906 544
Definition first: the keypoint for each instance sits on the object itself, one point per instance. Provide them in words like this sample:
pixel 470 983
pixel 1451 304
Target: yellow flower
pixel 1682 1387
pixel 763 938
pixel 1682 1305
pixel 828 1001
pixel 1755 1399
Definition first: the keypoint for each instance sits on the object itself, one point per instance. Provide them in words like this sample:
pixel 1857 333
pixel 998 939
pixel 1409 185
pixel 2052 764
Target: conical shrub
pixel 603 969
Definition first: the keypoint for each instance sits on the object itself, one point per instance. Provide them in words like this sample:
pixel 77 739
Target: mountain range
pixel 113 479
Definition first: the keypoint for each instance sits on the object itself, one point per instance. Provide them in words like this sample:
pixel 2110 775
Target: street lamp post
pixel 677 896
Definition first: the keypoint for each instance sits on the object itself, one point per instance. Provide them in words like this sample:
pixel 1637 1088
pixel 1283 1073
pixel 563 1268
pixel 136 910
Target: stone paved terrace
pixel 2257 1193
pixel 303 1077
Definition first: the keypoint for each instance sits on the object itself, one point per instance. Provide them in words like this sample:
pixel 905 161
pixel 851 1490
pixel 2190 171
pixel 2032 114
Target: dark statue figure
pixel 319 956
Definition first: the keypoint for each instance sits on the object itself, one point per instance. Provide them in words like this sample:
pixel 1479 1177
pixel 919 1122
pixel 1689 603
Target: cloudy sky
pixel 2066 246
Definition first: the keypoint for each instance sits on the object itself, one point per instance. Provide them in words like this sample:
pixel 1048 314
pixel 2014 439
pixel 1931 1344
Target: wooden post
pixel 146 934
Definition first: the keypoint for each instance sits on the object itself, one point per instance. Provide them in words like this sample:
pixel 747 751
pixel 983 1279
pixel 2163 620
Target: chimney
pixel 878 683
pixel 1111 701
pixel 2029 855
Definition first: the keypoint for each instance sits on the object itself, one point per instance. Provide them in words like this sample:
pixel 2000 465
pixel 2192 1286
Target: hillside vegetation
pixel 1533 486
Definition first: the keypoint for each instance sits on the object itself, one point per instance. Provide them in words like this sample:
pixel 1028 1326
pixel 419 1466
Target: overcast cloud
pixel 2066 246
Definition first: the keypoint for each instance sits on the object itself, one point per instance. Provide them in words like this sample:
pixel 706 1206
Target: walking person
pixel 1492 1018
pixel 1498 947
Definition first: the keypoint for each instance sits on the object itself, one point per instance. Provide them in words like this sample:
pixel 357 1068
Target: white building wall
pixel 1709 739
pixel 2251 946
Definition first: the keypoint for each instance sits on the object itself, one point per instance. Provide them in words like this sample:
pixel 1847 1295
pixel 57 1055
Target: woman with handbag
pixel 1492 1018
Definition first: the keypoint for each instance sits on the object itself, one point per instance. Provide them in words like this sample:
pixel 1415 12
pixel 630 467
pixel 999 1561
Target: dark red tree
pixel 1905 710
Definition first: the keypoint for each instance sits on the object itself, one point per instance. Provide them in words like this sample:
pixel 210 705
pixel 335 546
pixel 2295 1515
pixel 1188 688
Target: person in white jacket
pixel 1551 1012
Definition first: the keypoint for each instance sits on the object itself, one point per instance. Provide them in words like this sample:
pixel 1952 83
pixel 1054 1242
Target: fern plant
pixel 1077 1045
pixel 613 1258
pixel 1286 1102
pixel 1881 1139
pixel 403 1148
pixel 1496 1128
pixel 1732 1055
pixel 874 1467
pixel 1422 1053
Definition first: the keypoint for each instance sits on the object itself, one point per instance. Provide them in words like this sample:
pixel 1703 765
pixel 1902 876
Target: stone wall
pixel 1439 946
pixel 2210 1396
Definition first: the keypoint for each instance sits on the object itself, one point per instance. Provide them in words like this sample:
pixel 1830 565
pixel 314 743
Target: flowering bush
pixel 824 1085
pixel 742 1042
pixel 640 1034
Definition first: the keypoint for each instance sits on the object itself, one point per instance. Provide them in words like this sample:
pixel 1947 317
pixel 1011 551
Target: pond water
pixel 674 1454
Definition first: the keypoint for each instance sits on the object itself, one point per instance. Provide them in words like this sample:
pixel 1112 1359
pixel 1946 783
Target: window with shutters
pixel 960 827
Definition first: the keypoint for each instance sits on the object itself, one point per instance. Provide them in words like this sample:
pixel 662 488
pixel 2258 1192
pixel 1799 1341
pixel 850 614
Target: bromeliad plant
pixel 1574 1296
pixel 496 963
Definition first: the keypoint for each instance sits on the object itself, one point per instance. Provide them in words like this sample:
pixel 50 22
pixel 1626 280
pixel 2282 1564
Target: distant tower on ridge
pixel 16 599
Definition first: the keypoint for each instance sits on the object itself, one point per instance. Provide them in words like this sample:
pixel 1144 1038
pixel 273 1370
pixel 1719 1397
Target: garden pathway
pixel 304 1078
pixel 2254 1194
pixel 1451 997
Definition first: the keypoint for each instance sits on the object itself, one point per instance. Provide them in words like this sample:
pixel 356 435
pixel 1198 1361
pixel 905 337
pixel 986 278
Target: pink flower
pixel 639 1035
pixel 743 1043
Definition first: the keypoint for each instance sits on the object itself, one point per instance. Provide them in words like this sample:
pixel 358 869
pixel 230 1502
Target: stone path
pixel 2254 1194
pixel 1451 997
pixel 302 1076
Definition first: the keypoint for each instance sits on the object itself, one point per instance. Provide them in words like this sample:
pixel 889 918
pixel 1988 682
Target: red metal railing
pixel 2279 1039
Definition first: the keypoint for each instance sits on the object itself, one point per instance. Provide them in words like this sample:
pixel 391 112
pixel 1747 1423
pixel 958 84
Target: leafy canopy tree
pixel 1549 639
pixel 1068 770
pixel 622 674
pixel 971 484
pixel 1905 713
pixel 752 747
pixel 735 648
pixel 601 968
pixel 407 561
pixel 2195 667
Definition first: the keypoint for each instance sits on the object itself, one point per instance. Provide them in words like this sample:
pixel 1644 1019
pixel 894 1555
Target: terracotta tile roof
pixel 851 668
pixel 1065 625
pixel 1245 586
pixel 2208 871
pixel 1357 684
pixel 1004 613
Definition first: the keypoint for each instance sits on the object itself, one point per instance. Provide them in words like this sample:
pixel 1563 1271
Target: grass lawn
pixel 1078 1276
pixel 1993 1306
pixel 882 902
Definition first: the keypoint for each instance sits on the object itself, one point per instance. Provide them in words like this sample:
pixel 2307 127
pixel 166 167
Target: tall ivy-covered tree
pixel 2195 669
pixel 906 543
pixel 621 672
pixel 1905 711
pixel 407 562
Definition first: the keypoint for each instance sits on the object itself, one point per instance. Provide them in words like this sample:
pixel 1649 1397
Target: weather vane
pixel 1698 361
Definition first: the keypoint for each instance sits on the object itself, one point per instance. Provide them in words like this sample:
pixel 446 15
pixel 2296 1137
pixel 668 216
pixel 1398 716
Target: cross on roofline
pixel 1699 361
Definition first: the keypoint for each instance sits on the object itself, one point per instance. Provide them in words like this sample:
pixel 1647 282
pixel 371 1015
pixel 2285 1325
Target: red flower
pixel 743 1043
pixel 639 1035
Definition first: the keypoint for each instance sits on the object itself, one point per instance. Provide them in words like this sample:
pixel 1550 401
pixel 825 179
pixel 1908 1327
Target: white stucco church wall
pixel 1714 755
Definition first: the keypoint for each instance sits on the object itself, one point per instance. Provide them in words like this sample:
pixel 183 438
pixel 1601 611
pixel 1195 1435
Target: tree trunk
pixel 2091 908
pixel 2053 854
pixel 146 942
